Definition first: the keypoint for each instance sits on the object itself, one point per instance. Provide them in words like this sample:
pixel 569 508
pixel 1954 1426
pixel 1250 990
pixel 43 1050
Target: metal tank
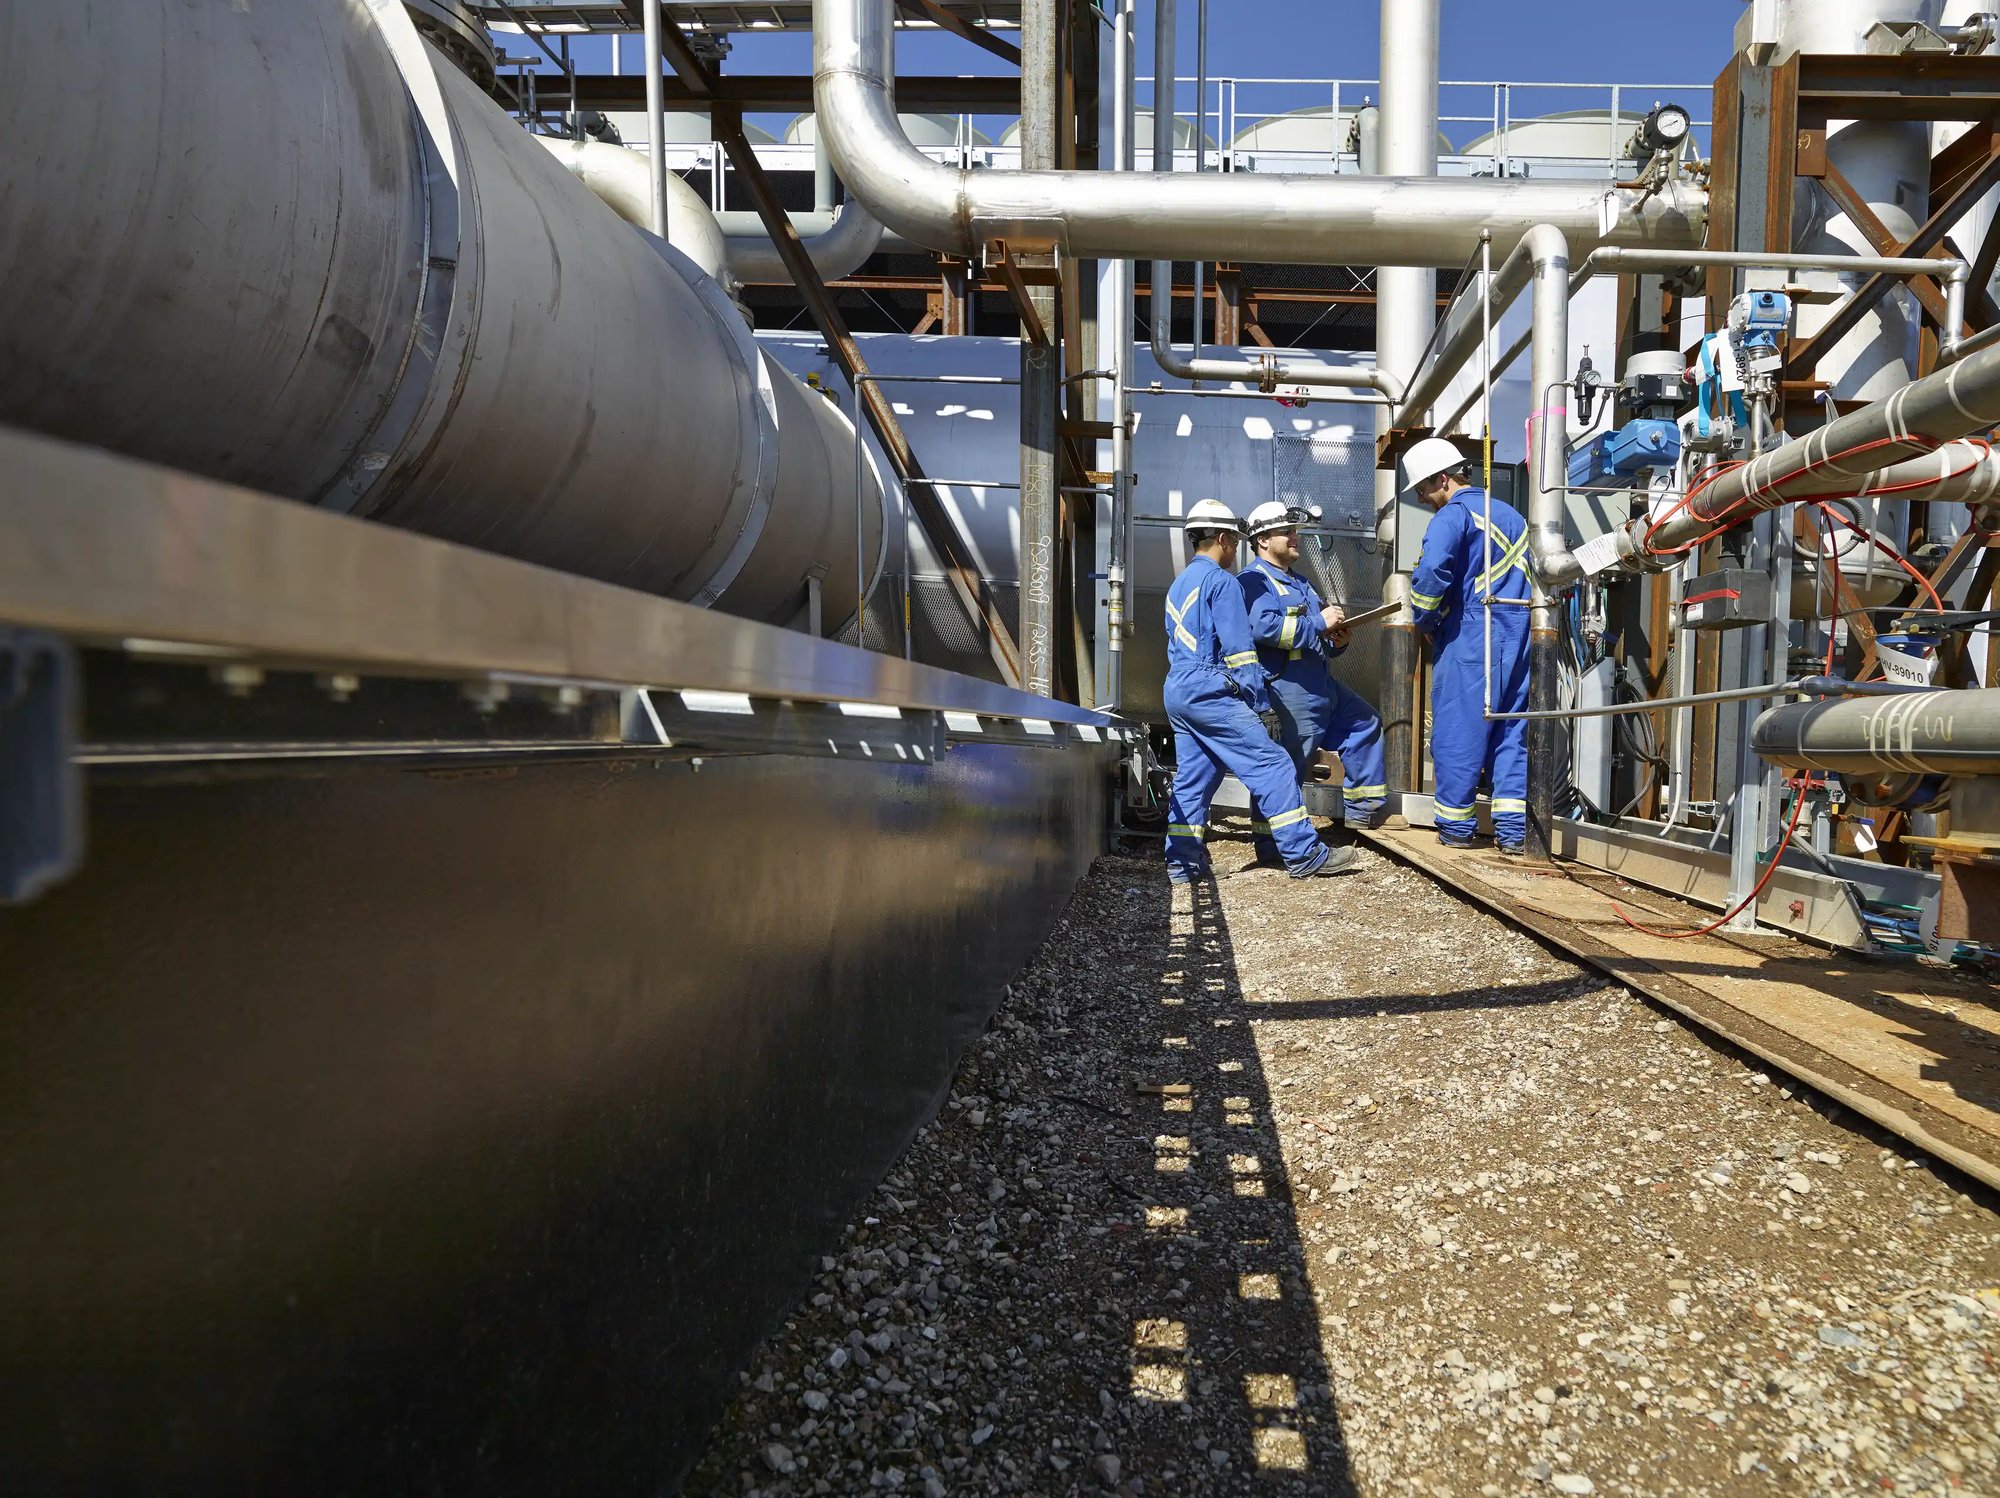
pixel 1142 134
pixel 386 299
pixel 1317 131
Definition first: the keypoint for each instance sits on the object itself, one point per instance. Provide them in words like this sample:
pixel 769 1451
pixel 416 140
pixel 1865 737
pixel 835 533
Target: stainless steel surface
pixel 463 1129
pixel 388 299
pixel 1040 360
pixel 106 550
pixel 1798 901
pixel 623 181
pixel 1926 733
pixel 1215 216
pixel 1555 566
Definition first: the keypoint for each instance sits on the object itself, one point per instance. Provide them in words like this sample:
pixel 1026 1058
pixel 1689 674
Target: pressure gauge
pixel 1665 128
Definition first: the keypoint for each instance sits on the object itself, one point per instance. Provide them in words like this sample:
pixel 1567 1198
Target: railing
pixel 1498 109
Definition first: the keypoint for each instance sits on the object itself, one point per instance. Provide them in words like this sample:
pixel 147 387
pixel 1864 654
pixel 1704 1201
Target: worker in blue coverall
pixel 1298 635
pixel 1214 695
pixel 1472 575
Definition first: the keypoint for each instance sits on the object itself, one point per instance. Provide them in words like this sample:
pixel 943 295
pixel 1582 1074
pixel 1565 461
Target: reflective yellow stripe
pixel 1513 557
pixel 1426 600
pixel 1364 792
pixel 1241 658
pixel 1286 818
pixel 1509 803
pixel 1185 638
pixel 1183 829
pixel 1452 813
pixel 1289 633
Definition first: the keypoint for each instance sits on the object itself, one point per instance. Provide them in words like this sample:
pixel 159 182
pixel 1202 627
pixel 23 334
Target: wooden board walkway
pixel 1914 1047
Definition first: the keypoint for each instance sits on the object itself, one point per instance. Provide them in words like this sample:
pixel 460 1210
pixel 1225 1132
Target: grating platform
pixel 1914 1048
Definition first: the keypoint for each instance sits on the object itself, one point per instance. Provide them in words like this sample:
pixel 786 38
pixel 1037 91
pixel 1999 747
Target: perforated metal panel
pixel 1335 473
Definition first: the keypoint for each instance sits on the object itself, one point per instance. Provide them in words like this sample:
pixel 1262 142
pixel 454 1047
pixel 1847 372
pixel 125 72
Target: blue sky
pixel 1604 41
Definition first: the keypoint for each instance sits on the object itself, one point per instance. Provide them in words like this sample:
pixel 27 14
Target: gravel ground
pixel 1344 1186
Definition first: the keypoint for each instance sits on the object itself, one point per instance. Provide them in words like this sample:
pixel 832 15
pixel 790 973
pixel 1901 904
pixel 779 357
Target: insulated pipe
pixel 1920 733
pixel 843 244
pixel 1208 216
pixel 1955 401
pixel 842 249
pixel 1553 564
pixel 1404 144
pixel 1265 373
pixel 623 182
pixel 390 301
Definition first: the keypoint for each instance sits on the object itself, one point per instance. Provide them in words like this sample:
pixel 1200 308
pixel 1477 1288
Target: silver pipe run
pixel 1917 733
pixel 1205 216
pixel 1265 372
pixel 1554 565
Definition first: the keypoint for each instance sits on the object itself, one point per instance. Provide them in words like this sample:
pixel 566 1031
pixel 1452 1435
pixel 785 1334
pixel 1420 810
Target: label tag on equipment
pixel 1599 554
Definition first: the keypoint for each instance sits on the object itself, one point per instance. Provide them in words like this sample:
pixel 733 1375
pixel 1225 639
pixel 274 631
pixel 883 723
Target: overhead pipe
pixel 1208 216
pixel 1265 372
pixel 622 180
pixel 1913 733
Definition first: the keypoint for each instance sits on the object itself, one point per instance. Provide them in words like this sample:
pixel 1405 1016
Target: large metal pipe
pixel 1922 733
pixel 1211 216
pixel 417 315
pixel 1041 368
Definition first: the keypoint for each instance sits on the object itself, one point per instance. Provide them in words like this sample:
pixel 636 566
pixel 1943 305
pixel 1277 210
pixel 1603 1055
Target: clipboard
pixel 1369 616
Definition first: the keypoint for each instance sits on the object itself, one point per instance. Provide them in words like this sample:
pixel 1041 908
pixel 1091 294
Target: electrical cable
pixel 1777 857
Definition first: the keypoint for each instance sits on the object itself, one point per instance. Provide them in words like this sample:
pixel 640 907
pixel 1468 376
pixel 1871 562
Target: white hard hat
pixel 1429 458
pixel 1212 515
pixel 1276 515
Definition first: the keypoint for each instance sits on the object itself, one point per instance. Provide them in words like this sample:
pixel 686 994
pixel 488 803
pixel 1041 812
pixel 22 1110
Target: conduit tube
pixel 1205 216
pixel 1266 373
pixel 1920 733
pixel 418 315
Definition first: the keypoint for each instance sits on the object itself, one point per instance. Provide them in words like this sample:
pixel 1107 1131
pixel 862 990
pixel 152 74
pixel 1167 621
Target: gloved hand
pixel 1269 718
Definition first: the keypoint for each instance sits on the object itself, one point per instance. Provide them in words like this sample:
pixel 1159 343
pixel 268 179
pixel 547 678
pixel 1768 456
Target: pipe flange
pixel 451 27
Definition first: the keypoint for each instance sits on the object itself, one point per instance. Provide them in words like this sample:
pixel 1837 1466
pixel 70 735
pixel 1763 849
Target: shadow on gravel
pixel 1228 1385
pixel 1516 996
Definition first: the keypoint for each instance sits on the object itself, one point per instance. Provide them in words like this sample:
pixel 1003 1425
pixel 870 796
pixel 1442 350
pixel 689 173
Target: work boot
pixel 1331 861
pixel 1512 850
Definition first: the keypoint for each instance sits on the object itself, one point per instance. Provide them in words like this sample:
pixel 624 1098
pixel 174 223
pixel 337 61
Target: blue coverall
pixel 1314 711
pixel 1214 692
pixel 1472 552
